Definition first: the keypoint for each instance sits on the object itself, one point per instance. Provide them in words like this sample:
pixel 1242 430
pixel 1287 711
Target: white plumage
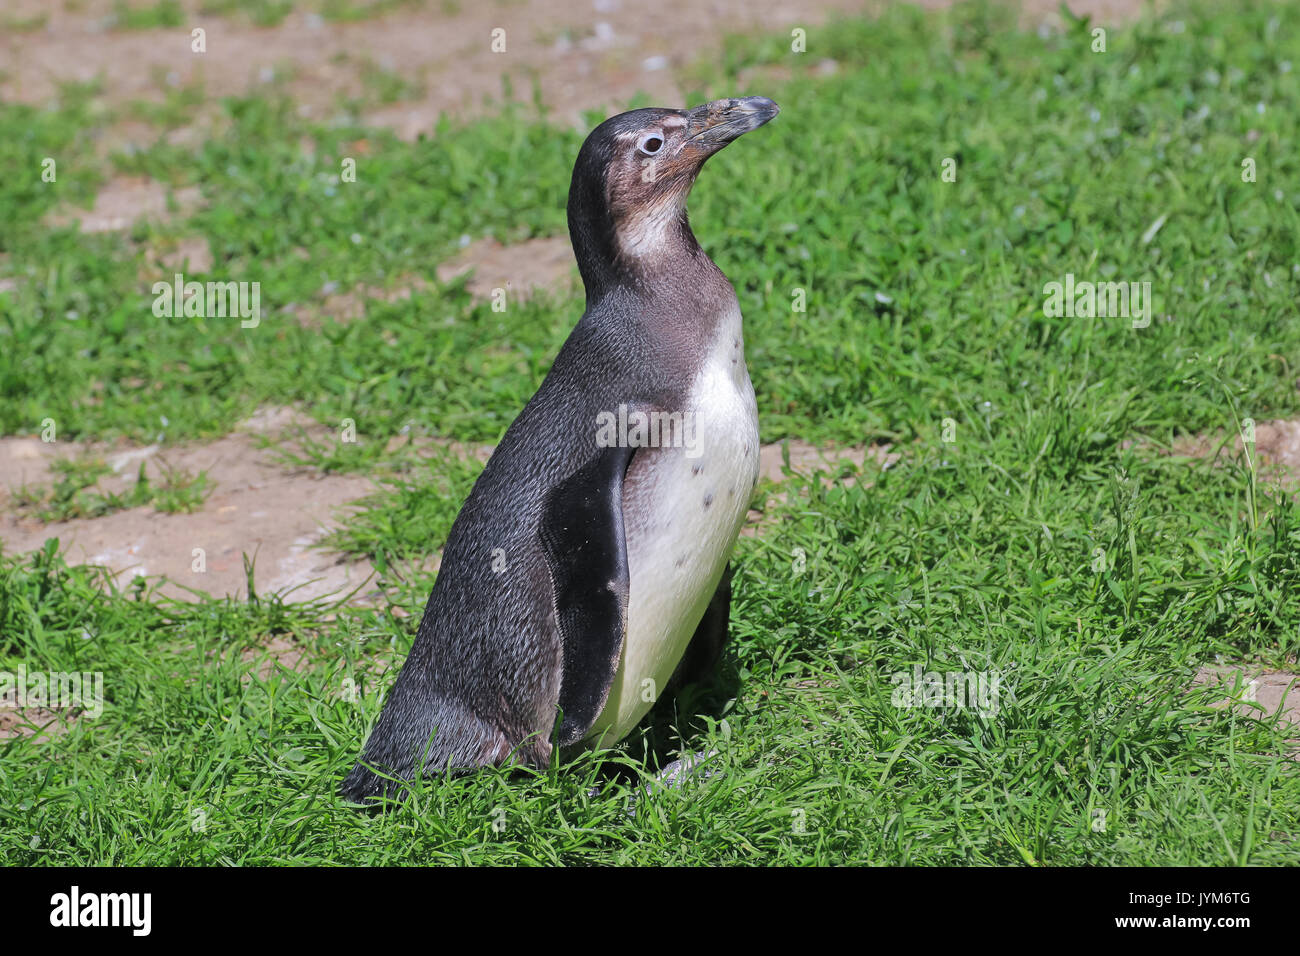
pixel 677 545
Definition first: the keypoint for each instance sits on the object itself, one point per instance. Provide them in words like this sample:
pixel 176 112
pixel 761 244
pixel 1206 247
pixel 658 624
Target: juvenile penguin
pixel 588 570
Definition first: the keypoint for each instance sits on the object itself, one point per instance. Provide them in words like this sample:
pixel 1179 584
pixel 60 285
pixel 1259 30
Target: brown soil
pixel 190 255
pixel 806 459
pixel 258 507
pixel 35 722
pixel 277 653
pixel 1277 450
pixel 518 269
pixel 125 200
pixel 1278 445
pixel 1255 692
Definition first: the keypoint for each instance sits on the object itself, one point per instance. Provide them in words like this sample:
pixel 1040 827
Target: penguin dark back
pixel 615 497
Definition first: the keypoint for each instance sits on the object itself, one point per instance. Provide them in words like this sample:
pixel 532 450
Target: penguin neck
pixel 650 254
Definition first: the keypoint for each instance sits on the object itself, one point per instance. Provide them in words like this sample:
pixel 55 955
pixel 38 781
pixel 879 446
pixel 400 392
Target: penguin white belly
pixel 682 510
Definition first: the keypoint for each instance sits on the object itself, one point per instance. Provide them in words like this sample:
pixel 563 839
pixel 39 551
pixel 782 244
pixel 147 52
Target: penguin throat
pixel 628 245
pixel 649 233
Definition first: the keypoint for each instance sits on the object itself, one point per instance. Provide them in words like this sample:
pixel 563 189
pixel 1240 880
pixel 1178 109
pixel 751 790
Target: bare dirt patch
pixel 519 269
pixel 23 716
pixel 35 722
pixel 578 55
pixel 1276 450
pixel 126 199
pixel 258 508
pixel 278 652
pixel 1278 445
pixel 350 305
pixel 1255 692
pixel 191 254
pixel 807 459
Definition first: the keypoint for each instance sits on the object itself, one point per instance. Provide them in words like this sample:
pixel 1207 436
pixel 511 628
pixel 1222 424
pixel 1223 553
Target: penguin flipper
pixel 583 535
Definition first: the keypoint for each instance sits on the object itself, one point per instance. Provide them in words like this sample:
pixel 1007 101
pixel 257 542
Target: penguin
pixel 587 574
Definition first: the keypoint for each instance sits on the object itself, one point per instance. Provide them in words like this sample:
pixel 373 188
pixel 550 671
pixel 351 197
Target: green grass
pixel 350 10
pixel 1054 543
pixel 147 16
pixel 21 24
pixel 951 567
pixel 262 13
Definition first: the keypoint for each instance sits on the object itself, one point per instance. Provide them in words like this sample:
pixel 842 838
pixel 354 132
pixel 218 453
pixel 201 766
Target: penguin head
pixel 627 201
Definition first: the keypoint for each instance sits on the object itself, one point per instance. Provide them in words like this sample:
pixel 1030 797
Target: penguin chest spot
pixel 683 508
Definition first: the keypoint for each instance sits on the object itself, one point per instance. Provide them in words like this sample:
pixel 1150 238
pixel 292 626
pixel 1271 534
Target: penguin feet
pixel 696 767
pixel 690 766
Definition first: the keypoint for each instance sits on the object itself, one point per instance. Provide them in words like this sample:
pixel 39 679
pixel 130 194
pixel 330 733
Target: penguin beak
pixel 713 125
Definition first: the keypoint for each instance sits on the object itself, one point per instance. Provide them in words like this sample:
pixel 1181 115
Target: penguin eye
pixel 651 143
